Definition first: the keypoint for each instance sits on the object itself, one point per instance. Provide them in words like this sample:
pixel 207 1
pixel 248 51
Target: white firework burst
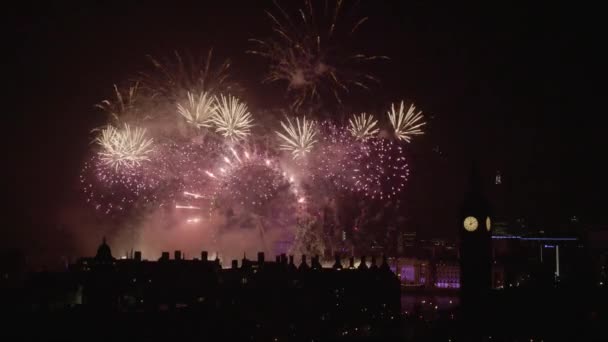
pixel 363 126
pixel 125 147
pixel 231 118
pixel 198 110
pixel 299 139
pixel 406 124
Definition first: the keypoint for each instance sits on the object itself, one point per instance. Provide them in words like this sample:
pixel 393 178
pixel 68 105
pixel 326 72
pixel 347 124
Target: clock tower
pixel 475 231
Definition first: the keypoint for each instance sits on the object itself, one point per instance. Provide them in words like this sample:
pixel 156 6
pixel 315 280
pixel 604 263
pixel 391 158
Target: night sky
pixel 510 86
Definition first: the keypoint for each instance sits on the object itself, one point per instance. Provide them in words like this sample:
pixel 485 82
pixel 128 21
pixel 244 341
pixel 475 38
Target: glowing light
pixel 232 118
pixel 236 154
pixel 363 126
pixel 300 139
pixel 125 147
pixel 186 193
pixel 198 110
pixel 301 200
pixel 193 220
pixel 189 207
pixel 406 124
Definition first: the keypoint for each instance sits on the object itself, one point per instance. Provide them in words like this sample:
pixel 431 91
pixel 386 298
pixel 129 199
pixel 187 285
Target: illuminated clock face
pixel 470 224
pixel 488 223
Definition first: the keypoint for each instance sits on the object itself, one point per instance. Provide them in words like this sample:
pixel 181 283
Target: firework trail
pixel 231 118
pixel 363 126
pixel 126 105
pixel 406 124
pixel 124 147
pixel 174 76
pixel 307 52
pixel 298 139
pixel 198 110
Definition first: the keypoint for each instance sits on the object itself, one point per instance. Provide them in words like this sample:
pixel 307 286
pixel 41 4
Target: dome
pixel 104 252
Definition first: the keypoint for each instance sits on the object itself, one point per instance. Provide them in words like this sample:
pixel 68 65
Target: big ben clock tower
pixel 475 230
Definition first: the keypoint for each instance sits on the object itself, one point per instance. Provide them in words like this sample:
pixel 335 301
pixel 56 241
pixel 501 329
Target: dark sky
pixel 509 84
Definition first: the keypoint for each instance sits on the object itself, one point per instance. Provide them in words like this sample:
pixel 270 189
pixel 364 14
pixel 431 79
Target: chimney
pixel 385 265
pixel 337 263
pixel 137 255
pixel 351 263
pixel 291 266
pixel 260 259
pixel 164 256
pixel 315 262
pixel 303 264
pixel 235 264
pixel 373 265
pixel 363 265
pixel 283 259
pixel 204 256
pixel 178 255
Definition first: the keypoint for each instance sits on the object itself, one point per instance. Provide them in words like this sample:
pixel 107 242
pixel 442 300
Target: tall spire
pixel 475 183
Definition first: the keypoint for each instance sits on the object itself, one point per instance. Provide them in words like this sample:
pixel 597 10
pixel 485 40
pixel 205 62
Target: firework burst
pixel 231 118
pixel 112 191
pixel 363 126
pixel 126 105
pixel 406 124
pixel 198 110
pixel 382 170
pixel 306 52
pixel 124 147
pixel 172 77
pixel 249 179
pixel 334 157
pixel 298 139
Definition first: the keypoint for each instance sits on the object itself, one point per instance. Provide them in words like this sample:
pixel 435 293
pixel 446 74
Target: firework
pixel 126 105
pixel 198 110
pixel 382 170
pixel 335 155
pixel 211 169
pixel 363 126
pixel 112 191
pixel 300 139
pixel 174 76
pixel 231 118
pixel 307 52
pixel 249 180
pixel 124 147
pixel 406 124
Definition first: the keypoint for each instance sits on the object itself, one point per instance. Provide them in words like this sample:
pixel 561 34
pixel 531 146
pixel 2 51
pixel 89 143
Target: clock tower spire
pixel 475 230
